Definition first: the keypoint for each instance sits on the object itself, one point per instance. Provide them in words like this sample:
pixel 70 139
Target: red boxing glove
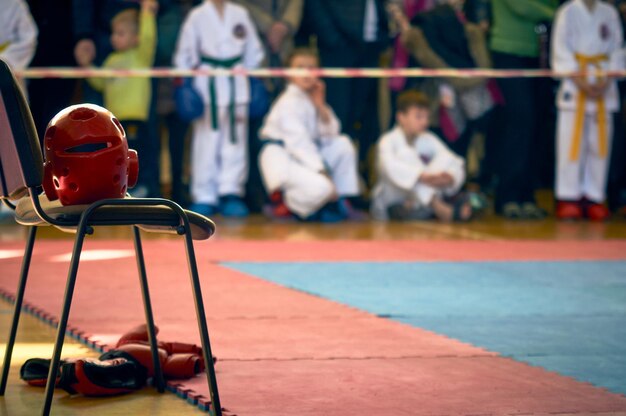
pixel 183 366
pixel 183 348
pixel 135 343
pixel 139 352
pixel 180 348
pixel 136 335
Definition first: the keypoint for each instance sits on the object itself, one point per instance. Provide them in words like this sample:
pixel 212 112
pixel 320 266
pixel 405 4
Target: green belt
pixel 222 63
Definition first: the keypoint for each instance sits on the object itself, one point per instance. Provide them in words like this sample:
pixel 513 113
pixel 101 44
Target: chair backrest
pixel 21 160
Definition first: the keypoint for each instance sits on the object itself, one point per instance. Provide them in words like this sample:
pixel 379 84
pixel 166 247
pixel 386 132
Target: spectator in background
pixel 586 104
pixel 479 13
pixel 515 44
pixel 402 57
pixel 92 33
pixel 417 173
pixel 134 40
pixel 18 34
pixel 277 21
pixel 616 192
pixel 55 42
pixel 163 116
pixel 351 33
pixel 220 34
pixel 440 39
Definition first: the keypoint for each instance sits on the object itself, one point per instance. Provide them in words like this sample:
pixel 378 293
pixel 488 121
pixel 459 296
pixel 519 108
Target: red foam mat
pixel 442 386
pixel 415 250
pixel 285 352
pixel 379 250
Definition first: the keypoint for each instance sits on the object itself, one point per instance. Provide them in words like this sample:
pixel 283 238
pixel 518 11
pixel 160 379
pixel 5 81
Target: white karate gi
pixel 400 165
pixel 18 34
pixel 308 148
pixel 18 41
pixel 219 160
pixel 582 165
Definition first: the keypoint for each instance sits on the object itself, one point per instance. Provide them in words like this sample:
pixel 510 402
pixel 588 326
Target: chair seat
pixel 149 218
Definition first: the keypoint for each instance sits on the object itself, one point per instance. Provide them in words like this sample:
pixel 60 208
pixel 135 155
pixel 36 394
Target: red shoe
pixel 567 210
pixel 278 209
pixel 597 212
pixel 137 334
pixel 281 211
pixel 276 197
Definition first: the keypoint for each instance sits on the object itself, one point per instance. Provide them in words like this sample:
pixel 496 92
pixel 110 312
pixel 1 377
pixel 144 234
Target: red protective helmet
pixel 87 156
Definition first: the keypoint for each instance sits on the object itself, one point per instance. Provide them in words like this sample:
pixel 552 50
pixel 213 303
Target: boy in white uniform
pixel 305 161
pixel 18 41
pixel 587 36
pixel 416 170
pixel 18 34
pixel 219 34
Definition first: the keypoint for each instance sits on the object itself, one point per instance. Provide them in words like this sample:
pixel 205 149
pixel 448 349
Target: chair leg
pixel 17 309
pixel 65 312
pixel 204 332
pixel 147 306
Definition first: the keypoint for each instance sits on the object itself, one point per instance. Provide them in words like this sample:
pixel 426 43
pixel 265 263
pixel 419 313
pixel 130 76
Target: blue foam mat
pixel 568 317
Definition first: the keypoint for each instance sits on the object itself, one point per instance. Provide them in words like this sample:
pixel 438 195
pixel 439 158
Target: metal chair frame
pixel 85 226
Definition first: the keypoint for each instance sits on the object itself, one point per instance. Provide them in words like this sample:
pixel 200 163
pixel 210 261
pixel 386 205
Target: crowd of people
pixel 338 149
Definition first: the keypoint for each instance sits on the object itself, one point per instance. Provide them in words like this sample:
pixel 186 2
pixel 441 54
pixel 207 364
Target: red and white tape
pixel 69 72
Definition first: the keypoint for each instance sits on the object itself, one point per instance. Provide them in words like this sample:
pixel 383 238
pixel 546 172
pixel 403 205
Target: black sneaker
pixel 531 211
pixel 512 211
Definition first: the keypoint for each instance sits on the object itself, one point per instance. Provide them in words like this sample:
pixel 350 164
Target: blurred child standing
pixel 18 34
pixel 586 104
pixel 133 38
pixel 219 34
pixel 18 40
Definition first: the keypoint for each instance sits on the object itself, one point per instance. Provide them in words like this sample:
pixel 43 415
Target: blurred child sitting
pixel 305 161
pixel 417 173
pixel 133 37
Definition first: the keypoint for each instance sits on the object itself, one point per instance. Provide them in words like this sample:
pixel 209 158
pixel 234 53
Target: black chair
pixel 21 174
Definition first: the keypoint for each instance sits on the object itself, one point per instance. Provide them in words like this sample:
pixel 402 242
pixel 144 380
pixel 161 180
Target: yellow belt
pixel 584 61
pixel 4 45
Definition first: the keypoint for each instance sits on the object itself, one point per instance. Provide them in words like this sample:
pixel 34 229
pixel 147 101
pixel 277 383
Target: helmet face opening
pixel 87 156
pixel 88 147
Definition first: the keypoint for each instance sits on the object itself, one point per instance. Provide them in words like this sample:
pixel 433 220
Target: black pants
pixel 355 100
pixel 138 138
pixel 256 196
pixel 616 186
pixel 177 137
pixel 516 127
pixel 47 97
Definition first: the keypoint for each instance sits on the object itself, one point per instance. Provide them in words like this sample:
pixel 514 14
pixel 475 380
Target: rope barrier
pixel 69 72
